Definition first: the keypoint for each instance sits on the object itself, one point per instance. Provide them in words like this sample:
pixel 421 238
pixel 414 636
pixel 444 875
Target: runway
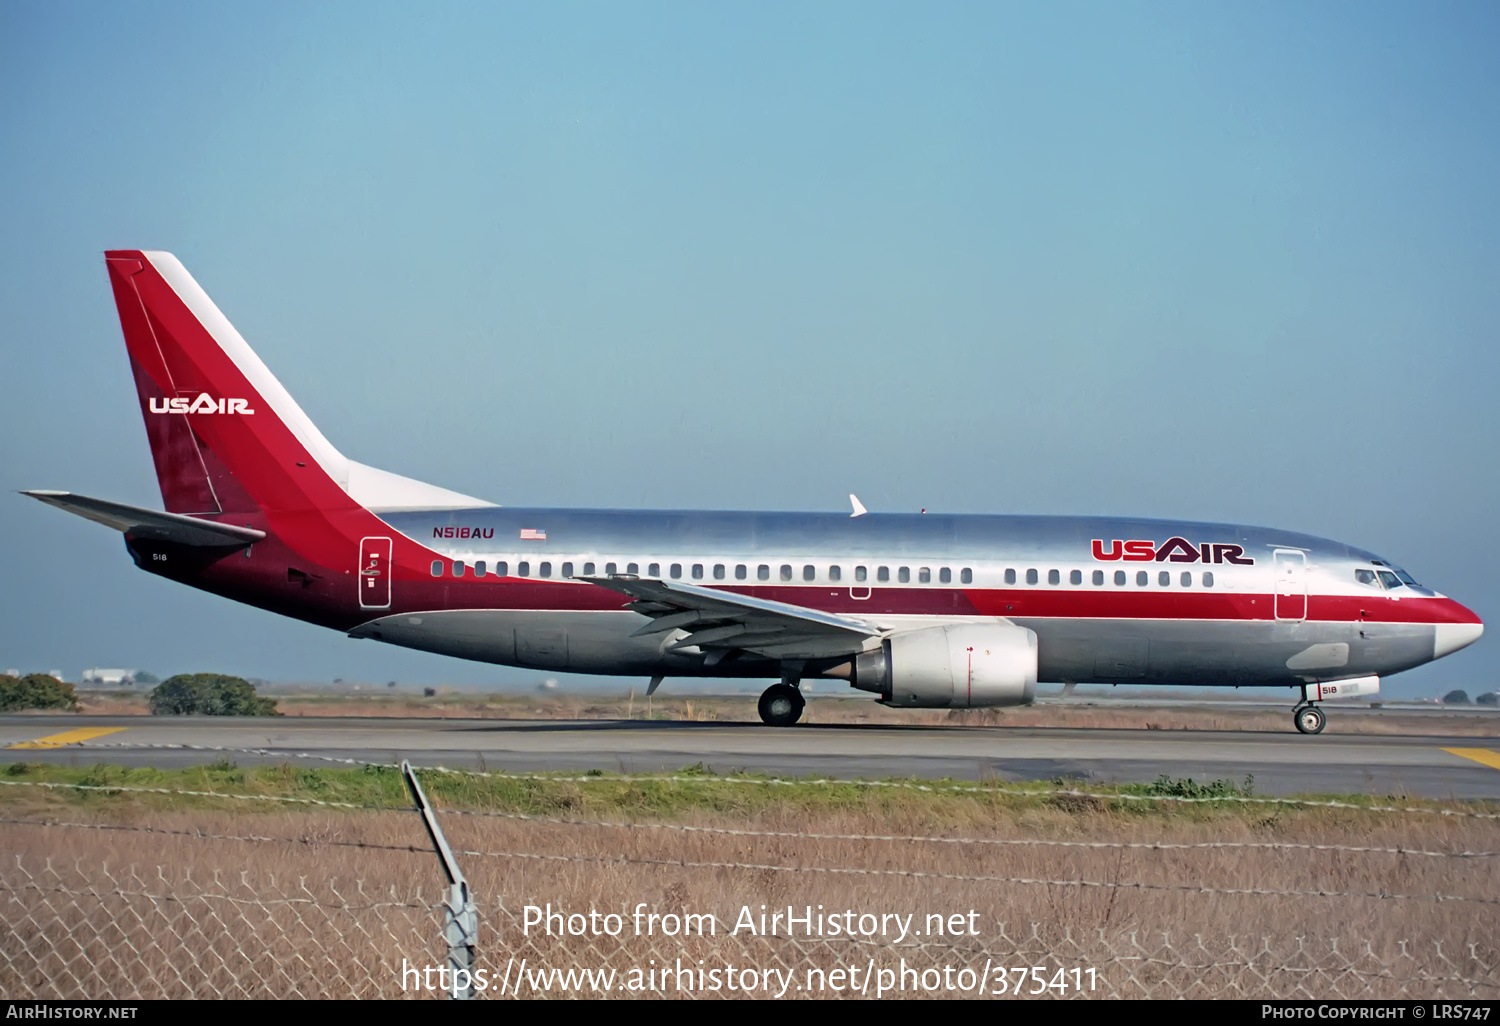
pixel 1281 763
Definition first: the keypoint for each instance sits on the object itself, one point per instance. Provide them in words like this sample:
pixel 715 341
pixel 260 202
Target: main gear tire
pixel 781 705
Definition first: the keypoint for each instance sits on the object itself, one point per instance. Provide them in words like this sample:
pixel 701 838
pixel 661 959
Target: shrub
pixel 1458 696
pixel 35 691
pixel 1488 698
pixel 1165 786
pixel 209 694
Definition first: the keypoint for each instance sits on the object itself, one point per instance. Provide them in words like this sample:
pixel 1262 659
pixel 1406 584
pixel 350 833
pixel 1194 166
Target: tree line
pixel 186 694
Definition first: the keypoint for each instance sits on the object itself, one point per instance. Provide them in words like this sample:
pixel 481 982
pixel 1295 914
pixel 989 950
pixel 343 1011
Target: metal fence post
pixel 461 926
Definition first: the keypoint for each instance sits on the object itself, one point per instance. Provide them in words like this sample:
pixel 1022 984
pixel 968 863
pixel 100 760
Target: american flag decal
pixel 532 534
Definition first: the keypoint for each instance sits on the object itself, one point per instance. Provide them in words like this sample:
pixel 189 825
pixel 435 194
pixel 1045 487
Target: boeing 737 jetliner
pixel 925 611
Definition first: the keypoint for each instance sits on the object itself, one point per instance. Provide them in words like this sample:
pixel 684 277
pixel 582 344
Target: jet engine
pixel 960 666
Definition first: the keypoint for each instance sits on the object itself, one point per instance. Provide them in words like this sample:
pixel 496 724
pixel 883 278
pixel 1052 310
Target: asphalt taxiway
pixel 1290 763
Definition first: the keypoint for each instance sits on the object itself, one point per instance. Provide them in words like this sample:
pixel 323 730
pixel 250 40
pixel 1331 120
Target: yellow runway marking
pixel 69 737
pixel 1481 755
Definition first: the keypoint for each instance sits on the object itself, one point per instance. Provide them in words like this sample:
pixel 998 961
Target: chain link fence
pixel 190 928
pixel 80 931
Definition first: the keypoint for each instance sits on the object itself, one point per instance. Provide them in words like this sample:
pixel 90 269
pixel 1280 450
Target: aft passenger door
pixel 1291 584
pixel 375 573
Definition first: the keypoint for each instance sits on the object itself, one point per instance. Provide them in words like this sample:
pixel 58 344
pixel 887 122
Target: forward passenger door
pixel 1291 584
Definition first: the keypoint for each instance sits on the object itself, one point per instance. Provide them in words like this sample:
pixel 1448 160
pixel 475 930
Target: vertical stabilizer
pixel 225 435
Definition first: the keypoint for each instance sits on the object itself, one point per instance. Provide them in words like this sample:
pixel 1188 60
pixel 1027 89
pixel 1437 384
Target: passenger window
pixel 1119 578
pixel 945 576
pixel 718 571
pixel 1208 579
pixel 883 573
pixel 567 570
pixel 1187 579
pixel 502 568
pixel 523 569
pixel 1053 577
pixel 904 575
pixel 1142 579
pixel 437 568
pixel 763 572
pixel 1076 577
pixel 1387 578
pixel 697 571
pixel 860 573
pixel 834 573
pixel 741 571
pixel 479 568
pixel 1031 577
pixel 588 569
pixel 924 576
pixel 458 568
pixel 1164 578
pixel 609 570
pixel 809 573
pixel 1098 578
pixel 546 570
pixel 676 571
pixel 633 569
pixel 1367 577
pixel 1010 576
pixel 653 570
pixel 967 577
pixel 786 571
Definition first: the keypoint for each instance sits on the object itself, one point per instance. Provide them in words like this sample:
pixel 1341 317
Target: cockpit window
pixel 1367 577
pixel 1395 571
pixel 1389 579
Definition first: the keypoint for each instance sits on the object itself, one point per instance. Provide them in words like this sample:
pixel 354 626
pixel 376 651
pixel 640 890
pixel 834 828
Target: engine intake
pixel 960 666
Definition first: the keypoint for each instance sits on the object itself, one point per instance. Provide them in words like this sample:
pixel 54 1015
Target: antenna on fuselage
pixel 859 507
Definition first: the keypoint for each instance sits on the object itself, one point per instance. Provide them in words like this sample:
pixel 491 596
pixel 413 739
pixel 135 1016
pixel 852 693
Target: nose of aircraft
pixel 1450 637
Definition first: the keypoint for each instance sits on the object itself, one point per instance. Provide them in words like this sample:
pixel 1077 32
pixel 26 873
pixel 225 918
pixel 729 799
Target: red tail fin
pixel 225 435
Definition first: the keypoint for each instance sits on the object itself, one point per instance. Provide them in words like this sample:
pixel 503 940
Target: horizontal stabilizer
pixel 149 523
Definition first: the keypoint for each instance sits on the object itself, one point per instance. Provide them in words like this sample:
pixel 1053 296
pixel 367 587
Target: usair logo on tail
pixel 205 403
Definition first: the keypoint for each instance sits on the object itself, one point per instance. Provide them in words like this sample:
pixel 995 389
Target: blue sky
pixel 1229 262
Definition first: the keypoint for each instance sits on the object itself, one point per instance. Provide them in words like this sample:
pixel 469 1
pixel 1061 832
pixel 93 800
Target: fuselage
pixel 1111 600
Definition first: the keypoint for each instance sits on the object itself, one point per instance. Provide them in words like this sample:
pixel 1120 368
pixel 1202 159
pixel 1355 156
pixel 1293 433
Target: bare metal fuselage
pixel 1174 626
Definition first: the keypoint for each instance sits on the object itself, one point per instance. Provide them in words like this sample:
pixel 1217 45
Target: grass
pixel 185 845
pixel 691 791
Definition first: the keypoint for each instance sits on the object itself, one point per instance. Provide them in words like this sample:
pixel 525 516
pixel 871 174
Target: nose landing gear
pixel 1309 719
pixel 781 705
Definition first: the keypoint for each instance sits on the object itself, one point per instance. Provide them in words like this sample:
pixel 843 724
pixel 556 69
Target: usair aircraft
pixel 924 610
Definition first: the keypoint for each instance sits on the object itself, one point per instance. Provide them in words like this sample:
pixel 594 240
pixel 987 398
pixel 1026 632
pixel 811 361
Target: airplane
pixel 923 610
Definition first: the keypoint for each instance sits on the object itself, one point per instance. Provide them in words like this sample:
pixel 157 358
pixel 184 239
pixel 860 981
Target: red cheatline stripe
pixel 1121 604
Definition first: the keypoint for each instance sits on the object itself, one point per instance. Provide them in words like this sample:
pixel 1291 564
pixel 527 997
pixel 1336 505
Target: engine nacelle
pixel 960 666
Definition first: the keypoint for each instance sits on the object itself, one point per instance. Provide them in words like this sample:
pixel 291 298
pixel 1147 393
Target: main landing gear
pixel 1309 718
pixel 781 704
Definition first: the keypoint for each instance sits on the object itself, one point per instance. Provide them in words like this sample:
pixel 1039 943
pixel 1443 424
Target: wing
pixel 150 523
pixel 718 622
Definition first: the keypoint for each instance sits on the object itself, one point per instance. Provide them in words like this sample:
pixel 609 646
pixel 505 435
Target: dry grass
pixel 579 885
pixel 586 871
pixel 1079 714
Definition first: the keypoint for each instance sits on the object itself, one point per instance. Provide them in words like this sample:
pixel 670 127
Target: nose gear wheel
pixel 1309 719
